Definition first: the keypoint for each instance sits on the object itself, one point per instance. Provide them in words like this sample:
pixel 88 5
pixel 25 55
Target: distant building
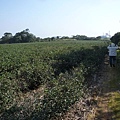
pixel 106 36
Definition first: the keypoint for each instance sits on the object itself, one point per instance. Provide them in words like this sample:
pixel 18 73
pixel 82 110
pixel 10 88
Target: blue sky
pixel 47 18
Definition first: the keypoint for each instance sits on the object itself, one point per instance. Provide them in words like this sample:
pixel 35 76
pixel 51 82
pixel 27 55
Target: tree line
pixel 20 37
pixel 25 36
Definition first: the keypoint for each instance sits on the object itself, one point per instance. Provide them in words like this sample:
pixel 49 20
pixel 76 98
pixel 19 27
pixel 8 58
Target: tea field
pixel 61 68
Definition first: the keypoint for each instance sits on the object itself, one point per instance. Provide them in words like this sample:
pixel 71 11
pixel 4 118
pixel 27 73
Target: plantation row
pixel 61 66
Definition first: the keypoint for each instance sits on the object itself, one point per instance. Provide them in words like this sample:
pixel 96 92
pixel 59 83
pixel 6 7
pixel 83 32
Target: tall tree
pixel 6 38
pixel 115 38
pixel 9 35
pixel 24 36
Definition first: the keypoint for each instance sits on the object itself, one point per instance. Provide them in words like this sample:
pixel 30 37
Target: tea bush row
pixel 25 67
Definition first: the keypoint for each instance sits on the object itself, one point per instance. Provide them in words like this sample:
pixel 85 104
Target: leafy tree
pixel 57 37
pixel 17 39
pixel 98 37
pixel 31 37
pixel 38 39
pixel 65 37
pixel 20 37
pixel 9 35
pixel 23 37
pixel 80 37
pixel 6 38
pixel 27 30
pixel 115 38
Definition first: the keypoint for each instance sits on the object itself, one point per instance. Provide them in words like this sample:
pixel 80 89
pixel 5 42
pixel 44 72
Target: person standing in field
pixel 112 54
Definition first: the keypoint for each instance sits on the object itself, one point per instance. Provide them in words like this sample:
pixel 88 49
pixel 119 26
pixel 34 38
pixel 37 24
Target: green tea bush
pixel 61 66
pixel 60 94
pixel 8 91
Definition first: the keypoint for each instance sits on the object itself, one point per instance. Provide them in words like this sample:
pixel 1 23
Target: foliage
pixel 25 37
pixel 20 37
pixel 61 66
pixel 84 37
pixel 116 38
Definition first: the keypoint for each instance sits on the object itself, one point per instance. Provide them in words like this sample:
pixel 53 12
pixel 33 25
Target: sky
pixel 50 18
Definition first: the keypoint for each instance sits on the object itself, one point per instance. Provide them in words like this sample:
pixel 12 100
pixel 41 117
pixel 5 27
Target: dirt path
pixel 99 101
pixel 103 111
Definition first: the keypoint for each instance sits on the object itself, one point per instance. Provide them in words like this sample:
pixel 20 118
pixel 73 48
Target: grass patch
pixel 115 105
pixel 115 88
